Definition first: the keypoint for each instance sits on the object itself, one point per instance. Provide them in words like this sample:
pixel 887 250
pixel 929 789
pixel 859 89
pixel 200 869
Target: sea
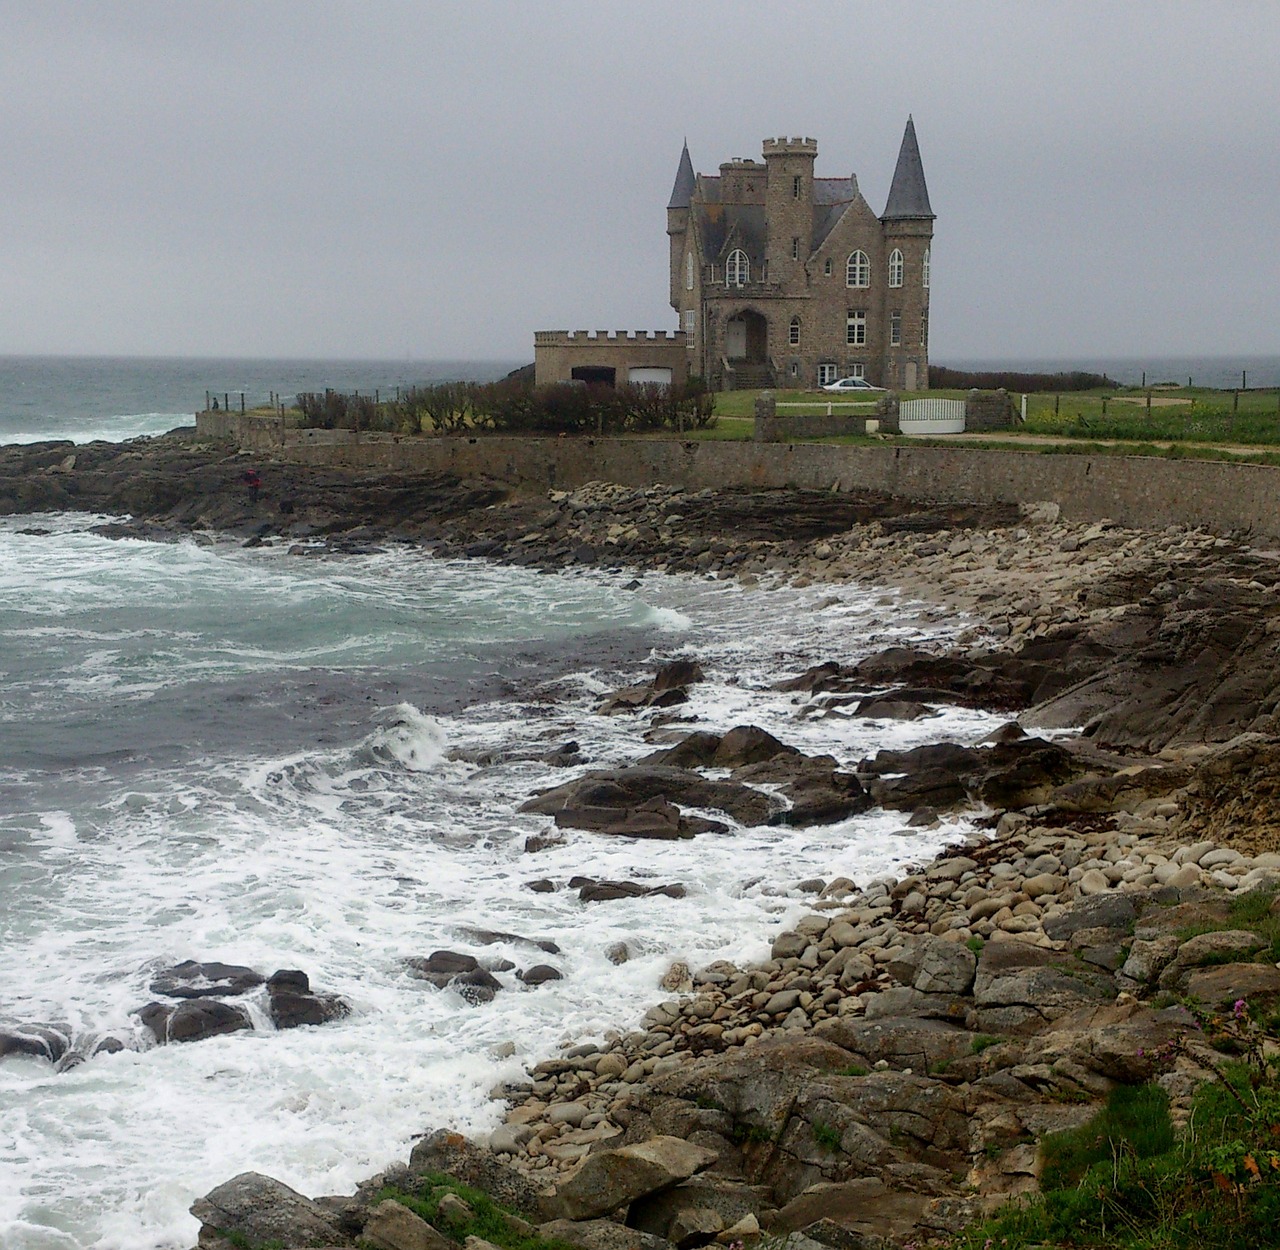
pixel 213 752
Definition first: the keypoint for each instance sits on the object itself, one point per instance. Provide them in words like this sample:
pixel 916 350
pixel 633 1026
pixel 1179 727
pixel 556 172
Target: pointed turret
pixel 908 195
pixel 682 192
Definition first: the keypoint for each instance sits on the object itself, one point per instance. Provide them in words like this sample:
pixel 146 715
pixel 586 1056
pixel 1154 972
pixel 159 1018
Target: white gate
pixel 932 416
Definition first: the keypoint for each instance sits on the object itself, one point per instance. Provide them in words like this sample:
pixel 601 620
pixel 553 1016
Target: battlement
pixel 741 164
pixel 579 337
pixel 782 146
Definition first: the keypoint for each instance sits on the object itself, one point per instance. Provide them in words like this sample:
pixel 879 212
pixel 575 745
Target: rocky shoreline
pixel 886 1075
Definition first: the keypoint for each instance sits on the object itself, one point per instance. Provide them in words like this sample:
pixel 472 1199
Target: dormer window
pixel 895 268
pixel 737 269
pixel 857 270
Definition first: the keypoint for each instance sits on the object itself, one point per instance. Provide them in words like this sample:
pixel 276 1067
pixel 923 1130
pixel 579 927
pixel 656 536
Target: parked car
pixel 851 384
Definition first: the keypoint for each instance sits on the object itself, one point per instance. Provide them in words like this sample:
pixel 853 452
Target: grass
pixel 1127 1181
pixel 983 1041
pixel 854 1069
pixel 826 1135
pixel 488 1220
pixel 1250 911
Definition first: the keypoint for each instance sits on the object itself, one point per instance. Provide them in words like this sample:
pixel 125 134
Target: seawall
pixel 1136 491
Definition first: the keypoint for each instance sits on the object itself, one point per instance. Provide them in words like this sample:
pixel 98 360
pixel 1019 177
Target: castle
pixel 780 279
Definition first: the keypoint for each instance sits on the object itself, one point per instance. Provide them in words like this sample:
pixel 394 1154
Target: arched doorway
pixel 746 337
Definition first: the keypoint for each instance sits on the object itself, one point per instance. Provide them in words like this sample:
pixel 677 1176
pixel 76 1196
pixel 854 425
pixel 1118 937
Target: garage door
pixel 649 373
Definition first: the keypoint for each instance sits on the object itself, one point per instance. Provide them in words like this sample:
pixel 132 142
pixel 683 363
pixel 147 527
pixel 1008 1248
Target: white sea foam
pixel 344 859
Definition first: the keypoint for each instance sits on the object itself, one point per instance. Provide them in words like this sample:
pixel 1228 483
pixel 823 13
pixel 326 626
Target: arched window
pixel 895 268
pixel 924 269
pixel 793 334
pixel 857 271
pixel 737 269
pixel 688 272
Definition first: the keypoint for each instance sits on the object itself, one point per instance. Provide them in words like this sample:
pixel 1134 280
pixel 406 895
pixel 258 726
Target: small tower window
pixel 688 272
pixel 857 270
pixel 795 187
pixel 924 328
pixel 793 334
pixel 826 268
pixel 895 329
pixel 795 249
pixel 737 269
pixel 895 268
pixel 924 269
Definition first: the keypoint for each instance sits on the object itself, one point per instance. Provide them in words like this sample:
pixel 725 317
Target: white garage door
pixel 649 373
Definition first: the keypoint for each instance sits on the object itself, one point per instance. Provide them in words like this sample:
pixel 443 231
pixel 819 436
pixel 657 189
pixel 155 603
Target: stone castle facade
pixel 785 279
pixel 780 279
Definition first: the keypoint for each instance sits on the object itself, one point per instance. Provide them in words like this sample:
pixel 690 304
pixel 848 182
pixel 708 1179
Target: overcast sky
pixel 441 179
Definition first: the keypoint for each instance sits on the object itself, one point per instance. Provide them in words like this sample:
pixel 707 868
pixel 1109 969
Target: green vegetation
pixel 515 406
pixel 487 1220
pixel 1252 911
pixel 975 944
pixel 826 1135
pixel 241 1242
pixel 1127 1181
pixel 754 1133
pixel 982 1041
pixel 854 1069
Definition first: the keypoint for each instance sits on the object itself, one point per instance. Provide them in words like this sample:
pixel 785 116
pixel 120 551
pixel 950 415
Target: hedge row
pixel 942 378
pixel 514 406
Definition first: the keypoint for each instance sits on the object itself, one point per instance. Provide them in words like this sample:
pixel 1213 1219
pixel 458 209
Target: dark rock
pixel 591 891
pixel 630 787
pixel 193 1020
pixel 190 979
pixel 488 937
pixel 541 886
pixel 540 974
pixel 676 674
pixel 39 1041
pixel 1111 910
pixel 292 1001
pixel 259 1210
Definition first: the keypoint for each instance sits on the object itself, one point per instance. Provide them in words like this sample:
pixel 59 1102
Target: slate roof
pixel 908 195
pixel 682 192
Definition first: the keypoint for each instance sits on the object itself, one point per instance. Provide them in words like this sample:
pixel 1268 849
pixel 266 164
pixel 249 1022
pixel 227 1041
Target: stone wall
pixel 988 410
pixel 1133 490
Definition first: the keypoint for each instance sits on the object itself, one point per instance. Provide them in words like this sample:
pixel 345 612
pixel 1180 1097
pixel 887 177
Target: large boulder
pixel 252 1209
pixel 1020 988
pixel 451 970
pixel 392 1226
pixel 37 1041
pixel 611 1179
pixel 190 979
pixel 623 788
pixel 935 966
pixel 193 1020
pixel 292 1001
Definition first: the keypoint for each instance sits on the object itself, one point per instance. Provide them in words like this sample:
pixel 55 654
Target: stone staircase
pixel 748 376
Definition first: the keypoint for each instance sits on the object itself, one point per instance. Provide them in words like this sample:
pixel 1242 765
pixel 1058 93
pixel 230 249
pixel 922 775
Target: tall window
pixel 895 329
pixel 857 270
pixel 688 272
pixel 737 270
pixel 924 269
pixel 690 325
pixel 895 268
pixel 795 249
pixel 793 333
pixel 855 328
pixel 795 186
pixel 924 328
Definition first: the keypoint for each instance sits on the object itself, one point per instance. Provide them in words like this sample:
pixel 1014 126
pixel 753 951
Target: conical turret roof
pixel 682 192
pixel 908 195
